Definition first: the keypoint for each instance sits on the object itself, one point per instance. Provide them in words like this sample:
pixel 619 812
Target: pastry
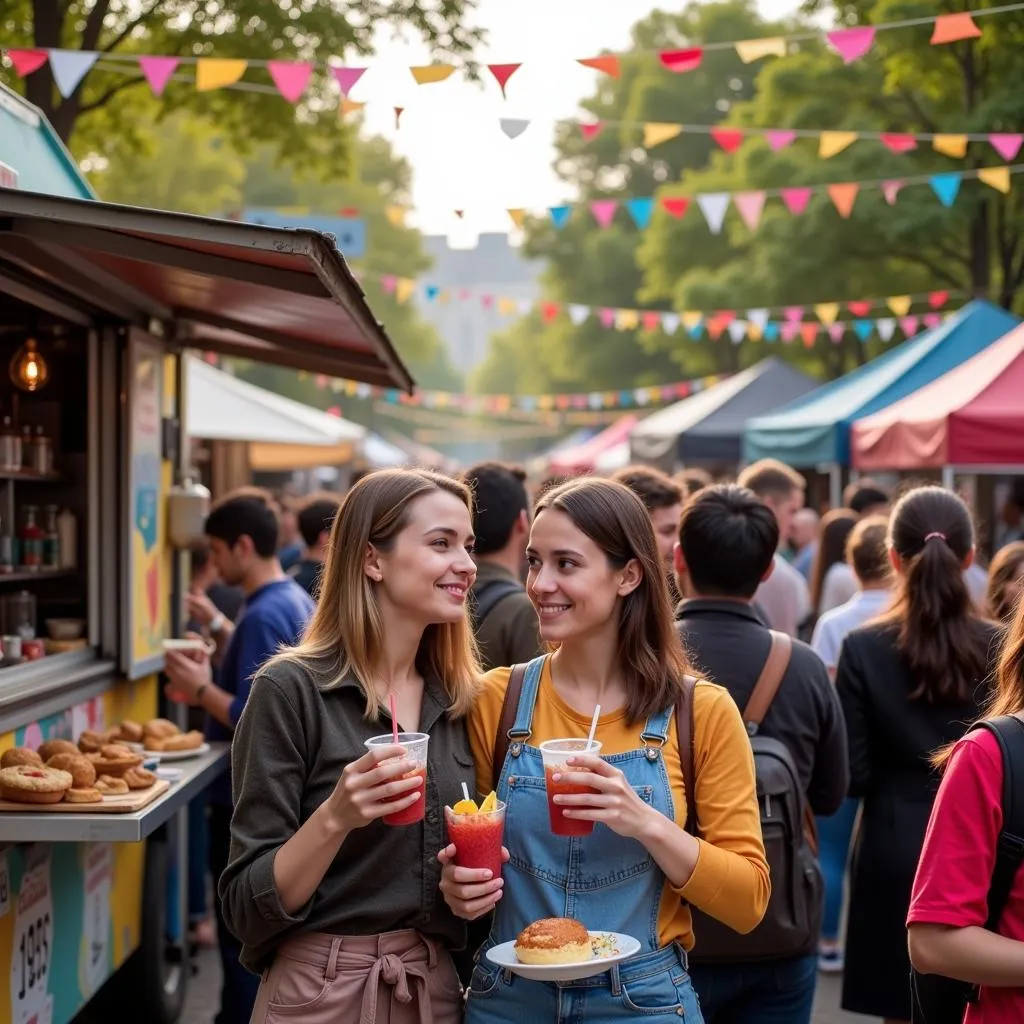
pixel 115 760
pixel 160 727
pixel 554 940
pixel 29 784
pixel 20 755
pixel 139 778
pixel 183 741
pixel 112 751
pixel 85 795
pixel 111 786
pixel 90 742
pixel 78 766
pixel 130 731
pixel 51 747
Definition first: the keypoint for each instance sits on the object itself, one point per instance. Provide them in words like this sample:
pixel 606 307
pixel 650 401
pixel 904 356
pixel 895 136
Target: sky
pixel 450 131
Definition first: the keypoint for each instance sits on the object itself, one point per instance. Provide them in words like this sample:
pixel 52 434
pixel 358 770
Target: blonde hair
pixel 348 626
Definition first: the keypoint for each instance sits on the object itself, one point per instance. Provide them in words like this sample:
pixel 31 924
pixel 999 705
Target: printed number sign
pixel 33 947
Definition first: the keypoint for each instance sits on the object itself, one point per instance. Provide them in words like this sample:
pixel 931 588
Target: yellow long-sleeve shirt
pixel 730 880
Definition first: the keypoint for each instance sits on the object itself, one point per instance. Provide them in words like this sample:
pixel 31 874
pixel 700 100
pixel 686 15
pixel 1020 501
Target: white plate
pixel 191 643
pixel 504 955
pixel 176 755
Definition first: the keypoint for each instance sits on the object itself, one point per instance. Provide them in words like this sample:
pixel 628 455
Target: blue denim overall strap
pixel 607 881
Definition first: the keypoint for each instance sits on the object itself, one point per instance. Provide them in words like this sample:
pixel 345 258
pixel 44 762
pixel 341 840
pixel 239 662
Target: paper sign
pixel 94 947
pixel 32 950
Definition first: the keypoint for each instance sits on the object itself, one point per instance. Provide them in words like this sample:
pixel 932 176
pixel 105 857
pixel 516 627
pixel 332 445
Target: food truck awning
pixel 277 295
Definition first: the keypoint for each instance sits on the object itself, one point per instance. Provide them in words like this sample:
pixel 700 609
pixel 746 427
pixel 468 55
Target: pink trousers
pixel 392 978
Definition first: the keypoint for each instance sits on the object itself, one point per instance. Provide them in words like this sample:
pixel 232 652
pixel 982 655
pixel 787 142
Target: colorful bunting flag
pixel 836 332
pixel 513 127
pixel 779 138
pixel 714 206
pixel 577 313
pixel 860 307
pixel 891 189
pixel 158 71
pixel 950 145
pixel 938 299
pixel 730 139
pixel 851 43
pixel 592 130
pixel 640 209
pixel 290 77
pixel 682 61
pixel 946 186
pixel 1007 146
pixel 25 62
pixel 216 73
pixel 430 74
pixel 908 325
pixel 827 312
pixel 347 78
pixel 831 143
pixel 951 28
pixel 502 73
pixel 899 143
pixel 518 216
pixel 396 215
pixel 675 206
pixel 796 199
pixel 995 177
pixel 603 211
pixel 899 304
pixel 609 65
pixel 750 50
pixel 398 116
pixel 844 195
pixel 69 67
pixel 656 132
pixel 886 327
pixel 560 215
pixel 749 205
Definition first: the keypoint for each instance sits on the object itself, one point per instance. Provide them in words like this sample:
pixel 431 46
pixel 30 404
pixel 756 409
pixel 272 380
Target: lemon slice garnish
pixel 490 803
pixel 465 807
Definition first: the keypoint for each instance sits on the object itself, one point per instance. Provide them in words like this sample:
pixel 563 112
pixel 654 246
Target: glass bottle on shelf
pixel 67 528
pixel 10 447
pixel 42 452
pixel 27 459
pixel 32 538
pixel 6 548
pixel 51 539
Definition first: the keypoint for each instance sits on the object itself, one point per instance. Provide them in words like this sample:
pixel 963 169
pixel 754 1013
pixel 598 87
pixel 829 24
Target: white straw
pixel 465 791
pixel 593 725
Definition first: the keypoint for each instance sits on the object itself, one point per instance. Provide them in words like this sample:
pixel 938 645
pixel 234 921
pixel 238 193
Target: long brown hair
pixel 1008 693
pixel 931 532
pixel 1006 566
pixel 651 655
pixel 836 527
pixel 348 627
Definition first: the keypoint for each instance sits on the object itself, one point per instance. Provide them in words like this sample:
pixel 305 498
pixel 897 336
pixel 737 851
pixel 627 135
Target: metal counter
pixel 40 827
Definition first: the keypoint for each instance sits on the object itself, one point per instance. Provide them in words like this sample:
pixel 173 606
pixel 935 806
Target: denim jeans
pixel 775 992
pixel 239 987
pixel 834 835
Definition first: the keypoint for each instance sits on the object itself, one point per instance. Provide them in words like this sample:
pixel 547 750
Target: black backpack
pixel 792 922
pixel 485 597
pixel 939 1000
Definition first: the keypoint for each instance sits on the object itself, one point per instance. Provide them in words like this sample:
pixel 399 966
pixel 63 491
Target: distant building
pixel 493 268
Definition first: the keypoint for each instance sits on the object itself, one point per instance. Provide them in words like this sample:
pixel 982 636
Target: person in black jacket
pixel 910 683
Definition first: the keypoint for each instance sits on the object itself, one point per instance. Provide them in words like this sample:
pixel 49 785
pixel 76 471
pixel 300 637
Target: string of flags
pixel 292 78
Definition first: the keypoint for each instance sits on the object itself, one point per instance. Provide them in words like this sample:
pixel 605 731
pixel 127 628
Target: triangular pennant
pixel 737 331
pixel 758 317
pixel 603 211
pixel 749 205
pixel 524 305
pixel 715 328
pixel 863 329
pixel 404 289
pixel 591 130
pixel 891 189
pixel 460 214
pixel 770 333
pixel 831 143
pixel 682 61
pixel 827 312
pixel 714 206
pixel 350 106
pixel 779 138
pixel 1007 146
pixel 931 319
pixel 730 139
pixel 607 317
pixel 851 43
pixel 549 311
pixel 675 206
pixel 899 304
pixel 809 332
pixel 560 215
pixel 886 327
pixel 796 199
pixel 650 321
pixel 950 145
pixel 749 50
pixel 898 143
pixel 908 325
pixel 429 74
pixel 670 322
pixel 951 28
pixel 640 209
pixel 502 73
pixel 399 111
pixel 158 71
pixel 347 78
pixel 506 306
pixel 995 177
pixel 754 332
pixel 431 292
pixel 69 67
pixel 946 186
pixel 938 299
pixel 396 215
pixel 656 132
pixel 25 62
pixel 626 319
pixel 513 127
pixel 793 314
pixel 843 196
pixel 577 313
pixel 788 331
pixel 216 73
pixel 290 77
pixel 518 216
pixel 609 65
pixel 691 319
pixel 859 307
pixel 836 332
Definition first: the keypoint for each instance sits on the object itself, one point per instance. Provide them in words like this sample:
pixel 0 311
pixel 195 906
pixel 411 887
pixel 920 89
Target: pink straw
pixel 394 718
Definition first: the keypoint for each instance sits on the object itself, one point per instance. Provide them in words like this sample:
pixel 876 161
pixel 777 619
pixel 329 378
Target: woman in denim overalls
pixel 599 588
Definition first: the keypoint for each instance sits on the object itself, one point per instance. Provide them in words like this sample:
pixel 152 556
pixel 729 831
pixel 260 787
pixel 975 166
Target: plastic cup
pixel 477 838
pixel 415 744
pixel 554 754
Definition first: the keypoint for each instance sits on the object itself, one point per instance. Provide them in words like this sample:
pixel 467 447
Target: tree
pixel 248 29
pixel 904 85
pixel 596 266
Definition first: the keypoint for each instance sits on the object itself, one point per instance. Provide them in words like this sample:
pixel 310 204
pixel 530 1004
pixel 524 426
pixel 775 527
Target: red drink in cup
pixel 415 744
pixel 477 837
pixel 555 754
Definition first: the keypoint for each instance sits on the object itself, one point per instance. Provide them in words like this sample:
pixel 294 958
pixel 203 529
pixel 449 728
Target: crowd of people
pixel 788 781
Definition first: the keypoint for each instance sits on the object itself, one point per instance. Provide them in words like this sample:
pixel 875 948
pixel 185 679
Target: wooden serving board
pixel 126 803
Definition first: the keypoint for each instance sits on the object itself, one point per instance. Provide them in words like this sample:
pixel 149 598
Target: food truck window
pixel 44 450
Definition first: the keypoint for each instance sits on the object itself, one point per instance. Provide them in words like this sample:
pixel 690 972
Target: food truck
pixel 98 306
